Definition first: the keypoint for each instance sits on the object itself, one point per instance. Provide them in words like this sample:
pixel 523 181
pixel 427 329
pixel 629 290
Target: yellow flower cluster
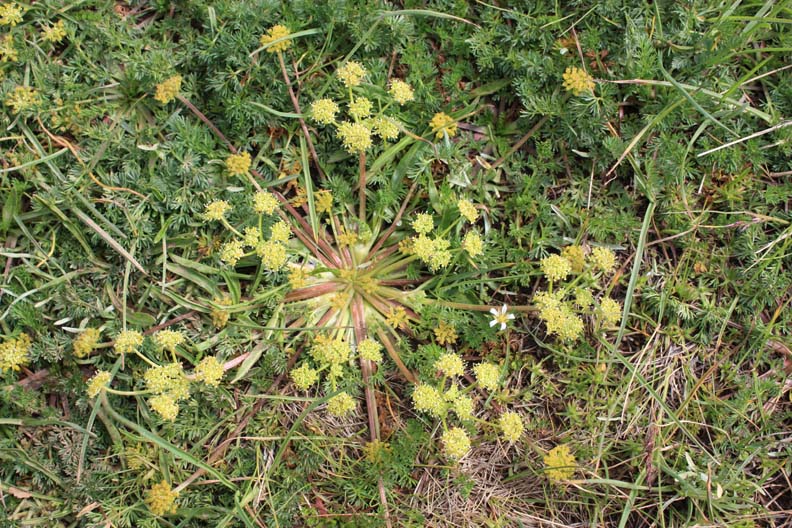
pixel 346 238
pixel 360 108
pixel 324 111
pixel 97 383
pixel 54 33
pixel 559 463
pixel 356 137
pixel 443 123
pixel 583 297
pixel 232 251
pixel 11 14
pixel 14 353
pixel 423 223
pixel 577 81
pixel 450 364
pixel 429 400
pixel 304 376
pixel 21 98
pixel 611 311
pixel 511 426
pixel 86 342
pixel 170 385
pixel 468 210
pixel 556 268
pixel 265 202
pixel 281 232
pixel 272 253
pixel 323 200
pixel 297 278
pixel 473 244
pixel 603 259
pixel 370 350
pixel 165 406
pixel 251 237
pixel 274 33
pixel 332 354
pixel 463 407
pixel 487 375
pixel 210 371
pixel 401 91
pixel 127 342
pixel 385 128
pixel 456 443
pixel 575 256
pixel 161 499
pixel 433 252
pixel 559 317
pixel 445 333
pixel 7 51
pixel 238 164
pixel 219 316
pixel 341 404
pixel 351 74
pixel 217 210
pixel 397 316
pixel 169 339
pixel 167 90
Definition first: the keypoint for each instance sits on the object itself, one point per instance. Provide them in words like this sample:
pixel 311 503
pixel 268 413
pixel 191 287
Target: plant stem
pixel 362 188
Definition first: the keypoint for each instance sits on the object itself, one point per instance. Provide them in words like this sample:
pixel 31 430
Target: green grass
pixel 677 161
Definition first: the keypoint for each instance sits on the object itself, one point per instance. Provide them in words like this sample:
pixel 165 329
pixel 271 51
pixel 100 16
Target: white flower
pixel 501 316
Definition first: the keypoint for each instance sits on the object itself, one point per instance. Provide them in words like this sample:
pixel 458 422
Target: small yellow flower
pixel 556 268
pixel 583 297
pixel 323 200
pixel 603 259
pixel 252 236
pixel 445 333
pixel 450 364
pixel 511 425
pixel 456 443
pixel 11 14
pixel 232 251
pixel 210 371
pixel 575 256
pixel 351 73
pixel 169 339
pixel 463 407
pixel 443 123
pixel 423 223
pixel 396 317
pixel 401 91
pixel 127 342
pixel 97 383
pixel 273 254
pixel 559 318
pixel 168 90
pixel 22 98
pixel 376 451
pixel 165 405
pixel 217 210
pixel 360 108
pixel 577 81
pixel 473 244
pixel 86 342
pixel 429 400
pixel 54 33
pixel 7 51
pixel 297 278
pixel 219 316
pixel 168 379
pixel 324 111
pixel 487 375
pixel 385 128
pixel 161 499
pixel 370 350
pixel 304 376
pixel 274 33
pixel 341 404
pixel 468 210
pixel 559 463
pixel 265 202
pixel 611 311
pixel 281 232
pixel 356 137
pixel 347 238
pixel 238 164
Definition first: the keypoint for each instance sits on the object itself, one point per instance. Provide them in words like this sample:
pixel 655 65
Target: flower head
pixel 238 164
pixel 559 463
pixel 324 111
pixel 450 364
pixel 429 400
pixel 473 244
pixel 468 210
pixel 385 128
pixel 252 236
pixel 86 342
pixel 219 316
pixel 456 443
pixel 273 254
pixel 356 137
pixel 168 89
pixel 360 108
pixel 281 232
pixel 487 375
pixel 351 73
pixel 11 14
pixel 210 371
pixel 274 33
pixel 370 350
pixel 341 404
pixel 556 268
pixel 397 316
pixel 168 379
pixel 423 223
pixel 511 425
pixel 264 202
pixel 560 319
pixel 54 33
pixel 611 311
pixel 232 251
pixel 7 51
pixel 216 210
pixel 97 383
pixel 401 91
pixel 445 333
pixel 169 339
pixel 165 405
pixel 22 98
pixel 603 259
pixel 127 342
pixel 575 256
pixel 463 407
pixel 304 376
pixel 443 123
pixel 161 499
pixel 577 81
pixel 323 200
pixel 501 317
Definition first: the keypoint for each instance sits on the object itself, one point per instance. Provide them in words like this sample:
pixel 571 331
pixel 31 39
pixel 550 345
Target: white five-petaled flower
pixel 501 316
